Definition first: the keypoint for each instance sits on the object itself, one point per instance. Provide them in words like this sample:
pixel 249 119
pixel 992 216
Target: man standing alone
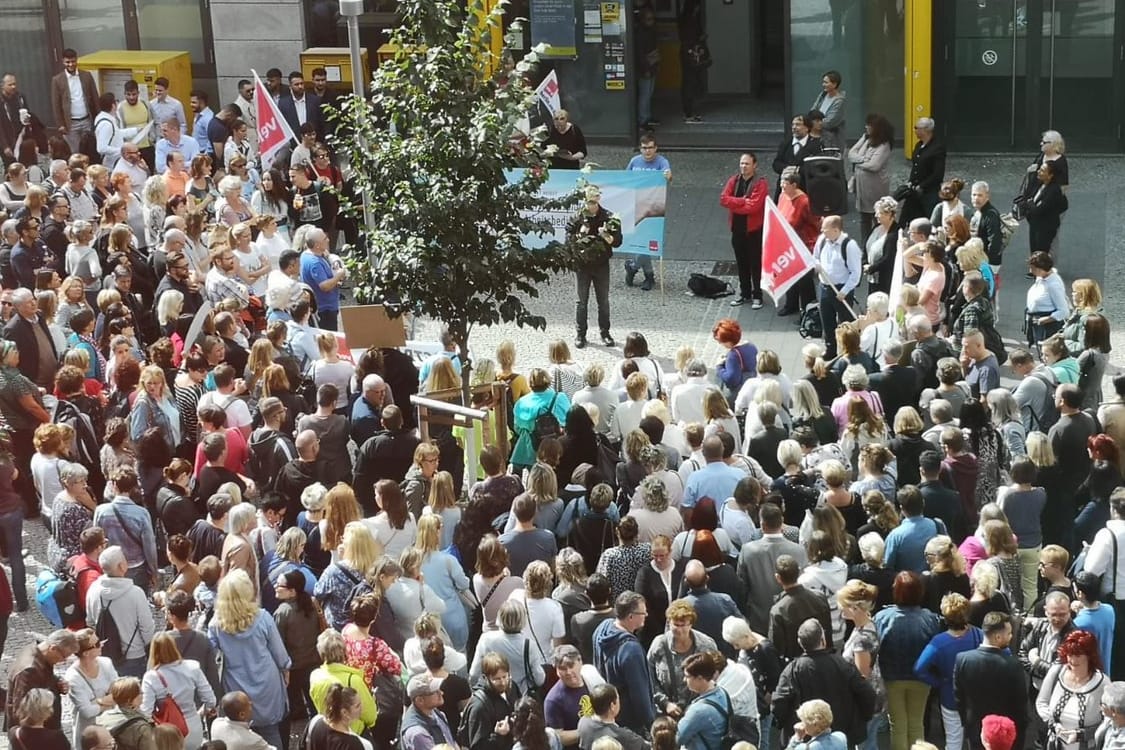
pixel 744 196
pixel 646 161
pixel 74 98
pixel 593 233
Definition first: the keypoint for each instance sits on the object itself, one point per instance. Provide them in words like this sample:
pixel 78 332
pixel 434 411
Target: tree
pixel 432 150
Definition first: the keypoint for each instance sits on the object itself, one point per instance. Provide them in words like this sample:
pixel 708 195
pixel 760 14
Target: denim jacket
pixel 903 633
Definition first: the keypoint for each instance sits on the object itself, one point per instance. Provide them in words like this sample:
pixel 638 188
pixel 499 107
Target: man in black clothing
pixel 762 445
pixel 896 385
pixel 1068 438
pixel 792 152
pixel 178 278
pixel 940 501
pixel 208 534
pixel 593 234
pixel 794 606
pixel 214 473
pixel 583 624
pixel 385 455
pixel 299 474
pixel 986 225
pixel 927 170
pixel 819 673
pixel 53 232
pixel 989 680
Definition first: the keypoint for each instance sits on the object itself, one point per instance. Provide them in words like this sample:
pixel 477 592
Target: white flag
pixel 273 129
pixel 785 257
pixel 548 93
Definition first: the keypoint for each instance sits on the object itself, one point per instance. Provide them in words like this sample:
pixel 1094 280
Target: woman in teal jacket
pixel 542 399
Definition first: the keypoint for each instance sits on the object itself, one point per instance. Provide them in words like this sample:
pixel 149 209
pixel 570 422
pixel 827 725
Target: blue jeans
pixel 134 667
pixel 271 733
pixel 11 526
pixel 875 726
pixel 765 727
pixel 645 87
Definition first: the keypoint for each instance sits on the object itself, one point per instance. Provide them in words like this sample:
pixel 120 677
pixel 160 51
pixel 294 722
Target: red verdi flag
pixel 785 258
pixel 273 130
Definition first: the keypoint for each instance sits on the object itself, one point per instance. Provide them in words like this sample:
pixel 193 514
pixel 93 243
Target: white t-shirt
pixel 46 474
pixel 238 413
pixel 252 261
pixel 544 623
pixel 338 374
pixel 394 541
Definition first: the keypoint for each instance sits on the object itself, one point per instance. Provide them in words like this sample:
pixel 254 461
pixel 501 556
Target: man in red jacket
pixel 85 568
pixel 744 196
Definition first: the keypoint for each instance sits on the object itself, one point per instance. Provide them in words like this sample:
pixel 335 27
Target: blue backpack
pixel 57 599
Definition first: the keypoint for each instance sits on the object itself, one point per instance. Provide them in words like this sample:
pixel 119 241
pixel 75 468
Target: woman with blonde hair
pixel 330 368
pixel 863 429
pixel 170 676
pixel 357 553
pixel 154 407
pixel 252 266
pixel 36 203
pixel 52 444
pixel 442 503
pixel 254 657
pixel 936 662
pixel 655 517
pixel 813 731
pixel 1086 299
pixel 808 412
pixel 89 678
pixel 987 596
pixel 946 574
pixel 720 418
pixel 232 207
pixel 82 261
pixel 570 574
pixel 856 601
pixel 155 197
pixel 543 488
pixel 505 361
pixel 442 377
pixel 410 596
pixel 877 326
pixel 882 517
pixel 442 573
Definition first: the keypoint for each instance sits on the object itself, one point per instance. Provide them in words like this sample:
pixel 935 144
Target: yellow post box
pixel 337 63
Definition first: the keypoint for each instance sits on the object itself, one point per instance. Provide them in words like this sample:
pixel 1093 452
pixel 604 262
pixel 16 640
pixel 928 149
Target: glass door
pixel 1024 66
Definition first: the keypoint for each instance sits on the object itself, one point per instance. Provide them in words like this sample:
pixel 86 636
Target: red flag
pixel 273 130
pixel 785 258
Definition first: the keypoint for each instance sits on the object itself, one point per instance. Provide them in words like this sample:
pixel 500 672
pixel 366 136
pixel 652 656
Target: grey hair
pixel 371 382
pixel 62 639
pixel 735 629
pixel 37 706
pixel 806 403
pixel 510 617
pixel 565 655
pixel 654 493
pixel 855 377
pixel 1003 406
pixel 980 186
pixel 314 235
pixel 170 222
pixel 918 324
pixel 229 184
pixel 58 165
pixel 985 580
pixel 921 226
pixel 73 472
pixel 174 233
pixel 22 295
pixel 791 174
pixel 290 542
pixel 241 516
pixel 892 348
pixel 810 635
pixel 871 548
pixel 1057 597
pixel 878 302
pixel 925 123
pixel 886 205
pixel 1113 697
pixel 111 557
pixel 1056 138
pixel 331 648
pixel 8 227
pixel 696 368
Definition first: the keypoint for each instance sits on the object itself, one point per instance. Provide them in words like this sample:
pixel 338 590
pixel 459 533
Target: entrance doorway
pixel 1024 66
pixel 743 98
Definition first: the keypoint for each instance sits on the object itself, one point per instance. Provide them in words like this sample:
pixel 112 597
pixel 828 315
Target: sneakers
pixel 580 341
pixel 738 301
pixel 693 119
pixel 630 272
pixel 756 305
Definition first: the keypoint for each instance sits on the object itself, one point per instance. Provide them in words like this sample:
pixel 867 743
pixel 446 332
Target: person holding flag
pixel 274 132
pixel 793 204
pixel 647 160
pixel 841 264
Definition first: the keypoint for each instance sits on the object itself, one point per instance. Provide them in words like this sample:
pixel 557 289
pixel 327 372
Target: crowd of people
pixel 256 535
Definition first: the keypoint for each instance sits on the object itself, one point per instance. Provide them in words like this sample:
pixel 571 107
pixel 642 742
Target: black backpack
pixel 729 737
pixel 702 285
pixel 546 424
pixel 118 405
pixel 110 635
pixel 810 325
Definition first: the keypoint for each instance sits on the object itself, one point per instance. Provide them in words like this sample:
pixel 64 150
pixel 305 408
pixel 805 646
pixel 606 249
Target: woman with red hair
pixel 1070 700
pixel 740 363
pixel 1093 494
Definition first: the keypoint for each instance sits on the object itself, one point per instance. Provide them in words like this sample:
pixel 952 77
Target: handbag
pixel 167 711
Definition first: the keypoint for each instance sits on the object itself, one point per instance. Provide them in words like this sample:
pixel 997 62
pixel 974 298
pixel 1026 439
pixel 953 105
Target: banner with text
pixel 785 258
pixel 636 197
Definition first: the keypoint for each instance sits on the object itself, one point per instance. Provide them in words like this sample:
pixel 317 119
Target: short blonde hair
pixel 907 421
pixel 506 354
pixel 594 375
pixel 834 473
pixel 789 453
pixel 985 580
pixel 971 255
pixel 636 385
pixel 537 579
pixel 816 715
pixel 684 355
pixel 1039 450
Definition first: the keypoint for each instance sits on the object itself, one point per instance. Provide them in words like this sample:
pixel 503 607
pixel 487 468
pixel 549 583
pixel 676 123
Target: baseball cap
pixel 422 685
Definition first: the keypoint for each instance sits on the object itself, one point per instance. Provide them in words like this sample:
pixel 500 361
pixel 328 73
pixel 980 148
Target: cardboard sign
pixel 369 325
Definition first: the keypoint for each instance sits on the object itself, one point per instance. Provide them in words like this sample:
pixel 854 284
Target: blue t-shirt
pixel 314 271
pixel 658 164
pixel 1100 623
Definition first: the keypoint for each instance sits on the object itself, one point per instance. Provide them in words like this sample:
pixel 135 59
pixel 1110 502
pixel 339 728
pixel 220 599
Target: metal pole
pixel 351 9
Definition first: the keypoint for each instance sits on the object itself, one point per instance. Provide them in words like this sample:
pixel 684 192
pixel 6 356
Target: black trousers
pixel 832 311
pixel 597 275
pixel 748 255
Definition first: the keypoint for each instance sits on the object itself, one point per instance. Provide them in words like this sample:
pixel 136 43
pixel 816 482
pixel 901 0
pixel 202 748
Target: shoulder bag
pixel 167 711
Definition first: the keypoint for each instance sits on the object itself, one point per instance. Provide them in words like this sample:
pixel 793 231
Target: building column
pixel 255 34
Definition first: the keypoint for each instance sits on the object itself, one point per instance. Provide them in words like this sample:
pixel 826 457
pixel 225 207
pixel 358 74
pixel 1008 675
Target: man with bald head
pixel 841 264
pixel 97 737
pixel 711 607
pixel 299 473
pixel 716 480
pixel 233 727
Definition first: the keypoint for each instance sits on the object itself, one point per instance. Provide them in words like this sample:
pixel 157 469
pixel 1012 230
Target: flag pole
pixel 835 290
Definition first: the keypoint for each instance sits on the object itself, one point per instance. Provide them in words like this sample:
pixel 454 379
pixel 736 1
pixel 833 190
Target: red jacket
pixel 752 205
pixel 799 215
pixel 85 571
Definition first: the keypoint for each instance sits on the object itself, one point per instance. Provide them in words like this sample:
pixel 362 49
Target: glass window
pixel 92 25
pixel 863 42
pixel 172 25
pixel 24 53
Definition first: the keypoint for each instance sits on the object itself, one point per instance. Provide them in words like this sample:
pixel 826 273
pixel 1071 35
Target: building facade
pixel 993 73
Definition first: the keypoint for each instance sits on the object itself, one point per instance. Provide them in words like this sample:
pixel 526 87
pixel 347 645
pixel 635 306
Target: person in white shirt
pixel 130 163
pixel 687 398
pixel 841 266
pixel 109 135
pixel 627 416
pixel 225 396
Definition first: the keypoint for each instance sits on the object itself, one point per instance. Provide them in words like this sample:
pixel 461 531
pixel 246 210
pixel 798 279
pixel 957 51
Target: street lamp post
pixel 351 9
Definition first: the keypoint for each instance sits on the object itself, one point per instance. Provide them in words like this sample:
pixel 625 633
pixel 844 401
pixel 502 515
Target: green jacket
pixel 326 674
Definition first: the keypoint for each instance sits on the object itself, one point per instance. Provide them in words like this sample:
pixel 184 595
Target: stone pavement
pixel 1092 245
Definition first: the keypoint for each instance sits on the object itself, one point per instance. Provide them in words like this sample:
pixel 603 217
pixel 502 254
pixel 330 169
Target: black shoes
pixel 648 284
pixel 580 341
pixel 786 311
pixel 607 339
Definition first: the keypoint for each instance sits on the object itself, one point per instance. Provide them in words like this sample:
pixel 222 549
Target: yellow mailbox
pixel 337 62
pixel 111 68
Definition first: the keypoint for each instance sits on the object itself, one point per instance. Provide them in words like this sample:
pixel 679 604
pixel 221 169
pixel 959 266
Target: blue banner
pixel 638 198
